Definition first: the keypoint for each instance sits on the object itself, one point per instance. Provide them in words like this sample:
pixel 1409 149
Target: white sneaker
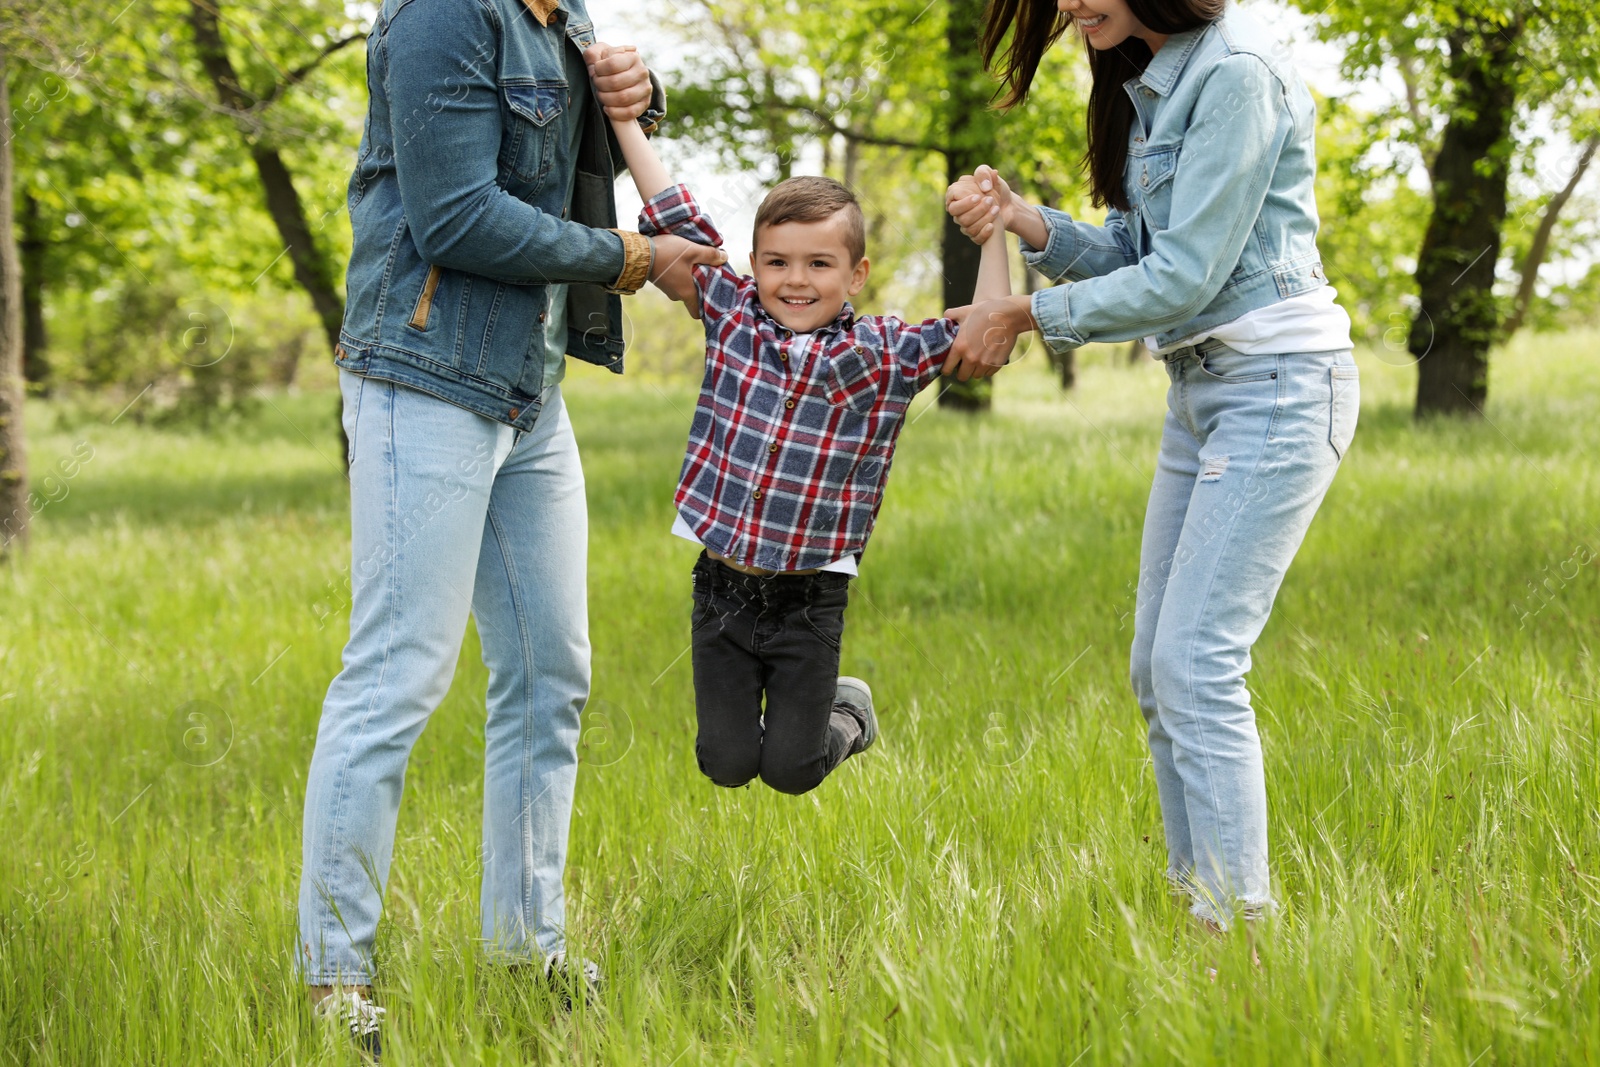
pixel 365 1019
pixel 566 979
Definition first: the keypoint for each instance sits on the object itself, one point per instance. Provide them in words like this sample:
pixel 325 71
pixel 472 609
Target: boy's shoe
pixel 855 693
pixel 566 978
pixel 347 1007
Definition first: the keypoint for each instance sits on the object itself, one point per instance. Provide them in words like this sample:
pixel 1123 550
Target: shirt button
pixel 788 403
pixel 784 356
pixel 773 447
pixel 756 495
pixel 860 350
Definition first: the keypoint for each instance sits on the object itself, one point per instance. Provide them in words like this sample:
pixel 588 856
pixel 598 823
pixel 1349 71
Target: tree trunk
pixel 1540 246
pixel 14 513
pixel 971 142
pixel 1459 318
pixel 283 202
pixel 32 246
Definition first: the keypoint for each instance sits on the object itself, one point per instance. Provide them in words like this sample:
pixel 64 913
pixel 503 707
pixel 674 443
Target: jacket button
pixel 1144 179
pixel 515 412
pixel 541 316
pixel 338 351
pixel 788 403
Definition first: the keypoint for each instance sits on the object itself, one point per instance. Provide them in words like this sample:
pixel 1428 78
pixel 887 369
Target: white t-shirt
pixel 843 565
pixel 1310 322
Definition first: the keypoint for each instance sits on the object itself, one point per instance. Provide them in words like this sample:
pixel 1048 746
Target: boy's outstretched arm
pixel 994 273
pixel 677 254
pixel 649 174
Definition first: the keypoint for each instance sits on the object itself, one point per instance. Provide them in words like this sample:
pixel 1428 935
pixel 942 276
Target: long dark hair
pixel 1035 25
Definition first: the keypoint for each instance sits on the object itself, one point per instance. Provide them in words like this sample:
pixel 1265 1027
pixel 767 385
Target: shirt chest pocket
pixel 1148 182
pixel 853 379
pixel 527 142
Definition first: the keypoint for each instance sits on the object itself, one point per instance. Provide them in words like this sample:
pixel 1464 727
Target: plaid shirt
pixel 791 442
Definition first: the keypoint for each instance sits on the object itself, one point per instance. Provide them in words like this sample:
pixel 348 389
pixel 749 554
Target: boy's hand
pixel 673 269
pixel 989 332
pixel 978 201
pixel 620 78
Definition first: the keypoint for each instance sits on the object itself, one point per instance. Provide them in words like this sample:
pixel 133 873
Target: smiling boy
pixel 788 455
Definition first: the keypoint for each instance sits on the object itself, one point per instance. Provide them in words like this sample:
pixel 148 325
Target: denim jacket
pixel 1219 179
pixel 457 211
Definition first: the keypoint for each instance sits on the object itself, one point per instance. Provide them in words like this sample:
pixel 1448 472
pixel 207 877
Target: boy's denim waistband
pixel 768 585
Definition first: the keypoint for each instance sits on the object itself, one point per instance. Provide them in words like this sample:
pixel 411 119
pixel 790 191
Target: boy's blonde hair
pixel 813 199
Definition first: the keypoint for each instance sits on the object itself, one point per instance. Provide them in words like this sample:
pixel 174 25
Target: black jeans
pixel 777 637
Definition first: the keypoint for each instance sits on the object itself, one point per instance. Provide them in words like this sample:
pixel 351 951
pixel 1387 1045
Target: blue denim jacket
pixel 1223 217
pixel 458 211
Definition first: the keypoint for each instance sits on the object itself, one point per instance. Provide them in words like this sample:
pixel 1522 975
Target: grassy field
pixel 983 887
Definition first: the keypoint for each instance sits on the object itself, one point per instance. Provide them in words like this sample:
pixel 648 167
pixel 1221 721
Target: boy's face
pixel 804 272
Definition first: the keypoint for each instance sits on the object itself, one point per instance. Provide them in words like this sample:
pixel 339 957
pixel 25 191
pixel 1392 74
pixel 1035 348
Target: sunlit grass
pixel 983 887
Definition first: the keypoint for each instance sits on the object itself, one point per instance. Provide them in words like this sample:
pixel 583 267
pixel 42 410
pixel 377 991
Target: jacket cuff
pixel 1056 257
pixel 1050 311
pixel 638 256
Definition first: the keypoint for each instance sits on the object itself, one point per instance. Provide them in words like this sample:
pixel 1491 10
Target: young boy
pixel 788 455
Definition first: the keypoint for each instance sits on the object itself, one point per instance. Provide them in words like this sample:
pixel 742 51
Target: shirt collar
pixel 843 321
pixel 543 10
pixel 1168 63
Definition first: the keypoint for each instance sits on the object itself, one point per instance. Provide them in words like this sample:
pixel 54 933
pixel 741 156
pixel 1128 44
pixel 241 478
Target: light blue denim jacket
pixel 1223 217
pixel 458 210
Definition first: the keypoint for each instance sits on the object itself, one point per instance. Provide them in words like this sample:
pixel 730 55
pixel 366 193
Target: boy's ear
pixel 858 277
pixel 752 262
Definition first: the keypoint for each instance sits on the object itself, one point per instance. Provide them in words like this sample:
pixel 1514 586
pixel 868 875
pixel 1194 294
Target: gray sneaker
pixel 857 694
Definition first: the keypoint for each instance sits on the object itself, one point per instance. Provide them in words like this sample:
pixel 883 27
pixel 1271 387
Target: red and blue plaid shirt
pixel 791 442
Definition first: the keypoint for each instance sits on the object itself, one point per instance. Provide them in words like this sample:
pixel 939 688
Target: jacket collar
pixel 543 10
pixel 1167 64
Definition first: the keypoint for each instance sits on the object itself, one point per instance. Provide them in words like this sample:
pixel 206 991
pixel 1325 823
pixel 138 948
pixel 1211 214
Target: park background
pixel 985 886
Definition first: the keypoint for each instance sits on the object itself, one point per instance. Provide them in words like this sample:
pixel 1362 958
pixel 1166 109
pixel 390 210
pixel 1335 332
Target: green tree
pixel 1475 73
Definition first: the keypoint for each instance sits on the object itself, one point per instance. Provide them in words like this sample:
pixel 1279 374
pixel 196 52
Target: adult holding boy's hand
pixel 622 85
pixel 989 329
pixel 1208 252
pixel 485 253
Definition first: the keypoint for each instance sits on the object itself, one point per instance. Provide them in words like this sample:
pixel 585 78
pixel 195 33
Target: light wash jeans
pixel 1250 446
pixel 450 511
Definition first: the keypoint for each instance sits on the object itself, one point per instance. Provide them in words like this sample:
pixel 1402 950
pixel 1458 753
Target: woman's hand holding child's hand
pixel 983 198
pixel 978 201
pixel 620 78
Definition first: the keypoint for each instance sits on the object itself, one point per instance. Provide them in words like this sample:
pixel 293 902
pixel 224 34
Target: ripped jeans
pixel 1250 446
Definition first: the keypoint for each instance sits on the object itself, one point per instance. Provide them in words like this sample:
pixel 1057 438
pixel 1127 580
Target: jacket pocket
pixel 526 148
pixel 424 306
pixel 1344 409
pixel 1148 181
pixel 852 379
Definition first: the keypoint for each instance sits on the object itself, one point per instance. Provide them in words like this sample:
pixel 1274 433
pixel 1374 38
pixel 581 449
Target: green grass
pixel 983 887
